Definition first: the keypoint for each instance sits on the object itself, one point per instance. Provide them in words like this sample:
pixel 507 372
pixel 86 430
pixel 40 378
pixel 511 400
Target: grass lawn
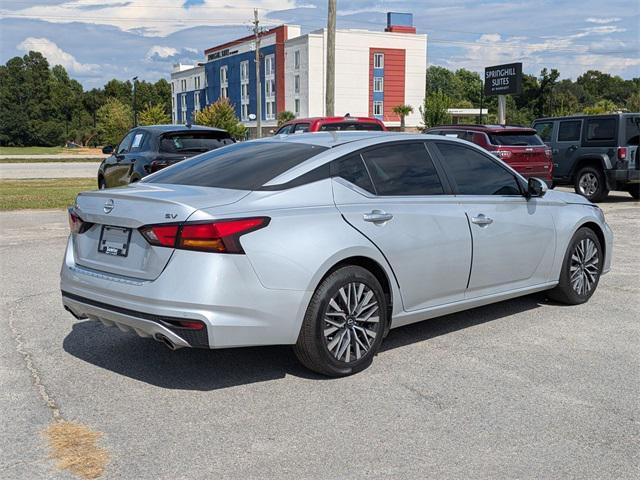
pixel 30 150
pixel 50 160
pixel 42 193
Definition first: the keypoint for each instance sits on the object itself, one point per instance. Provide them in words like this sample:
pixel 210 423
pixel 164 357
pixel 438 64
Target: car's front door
pixel 566 147
pixel 513 237
pixel 113 168
pixel 394 195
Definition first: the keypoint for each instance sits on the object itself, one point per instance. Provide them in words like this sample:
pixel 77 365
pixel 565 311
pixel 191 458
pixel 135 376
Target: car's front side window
pixel 475 173
pixel 402 169
pixel 124 145
pixel 544 130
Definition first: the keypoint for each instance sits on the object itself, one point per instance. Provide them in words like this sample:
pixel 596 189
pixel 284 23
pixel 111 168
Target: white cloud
pixel 603 20
pixel 56 56
pixel 160 51
pixel 152 18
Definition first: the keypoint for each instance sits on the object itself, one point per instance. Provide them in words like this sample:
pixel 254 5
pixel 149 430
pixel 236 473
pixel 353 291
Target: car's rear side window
pixel 402 169
pixel 242 166
pixel 352 169
pixel 515 139
pixel 601 129
pixel 569 131
pixel 330 127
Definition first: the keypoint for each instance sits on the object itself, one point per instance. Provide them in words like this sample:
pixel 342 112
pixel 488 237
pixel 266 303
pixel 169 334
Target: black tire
pixel 591 184
pixel 634 190
pixel 101 183
pixel 565 291
pixel 313 345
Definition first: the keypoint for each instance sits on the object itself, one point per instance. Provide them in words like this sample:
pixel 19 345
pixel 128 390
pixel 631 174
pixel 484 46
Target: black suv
pixel 594 153
pixel 145 150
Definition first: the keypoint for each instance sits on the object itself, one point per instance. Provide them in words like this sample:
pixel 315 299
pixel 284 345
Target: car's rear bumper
pixel 221 291
pixel 615 177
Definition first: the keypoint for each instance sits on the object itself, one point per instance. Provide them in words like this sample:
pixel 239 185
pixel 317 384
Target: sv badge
pixel 170 216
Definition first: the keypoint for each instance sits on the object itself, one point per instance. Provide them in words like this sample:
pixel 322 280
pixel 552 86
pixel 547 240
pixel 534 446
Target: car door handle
pixel 572 148
pixel 482 220
pixel 377 216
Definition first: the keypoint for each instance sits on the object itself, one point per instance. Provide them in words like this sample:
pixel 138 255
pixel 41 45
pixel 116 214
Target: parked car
pixel 519 147
pixel 145 150
pixel 329 124
pixel 594 153
pixel 325 242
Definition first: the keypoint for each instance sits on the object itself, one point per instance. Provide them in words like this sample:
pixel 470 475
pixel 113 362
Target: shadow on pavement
pixel 194 369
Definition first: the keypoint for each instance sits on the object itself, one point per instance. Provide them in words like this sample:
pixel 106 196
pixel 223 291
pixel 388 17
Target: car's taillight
pixel 76 224
pixel 222 236
pixel 622 153
pixel 548 153
pixel 503 154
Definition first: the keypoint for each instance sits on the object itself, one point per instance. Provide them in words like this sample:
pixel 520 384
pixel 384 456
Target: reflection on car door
pixel 394 195
pixel 113 170
pixel 513 238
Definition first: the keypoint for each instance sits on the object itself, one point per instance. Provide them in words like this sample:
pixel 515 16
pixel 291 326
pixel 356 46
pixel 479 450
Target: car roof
pixel 582 116
pixel 346 118
pixel 485 128
pixel 330 139
pixel 179 128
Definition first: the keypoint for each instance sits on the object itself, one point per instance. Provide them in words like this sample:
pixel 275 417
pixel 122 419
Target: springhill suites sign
pixel 503 79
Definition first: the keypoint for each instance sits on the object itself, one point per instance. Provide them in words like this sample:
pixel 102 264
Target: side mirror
pixel 107 150
pixel 536 187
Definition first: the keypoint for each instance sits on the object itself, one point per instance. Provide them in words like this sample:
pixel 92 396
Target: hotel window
pixel 173 108
pixel 244 90
pixel 183 85
pixel 378 108
pixel 172 87
pixel 296 107
pixel 378 60
pixel 378 84
pixel 196 82
pixel 224 82
pixel 269 87
pixel 296 84
pixel 196 101
pixel 184 108
pixel 296 59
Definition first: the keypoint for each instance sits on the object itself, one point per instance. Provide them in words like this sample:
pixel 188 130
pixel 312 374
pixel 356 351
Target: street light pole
pixel 135 107
pixel 256 31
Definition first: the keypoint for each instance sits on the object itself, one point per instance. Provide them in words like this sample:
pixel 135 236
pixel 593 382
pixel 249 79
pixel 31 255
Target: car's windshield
pixel 515 139
pixel 242 166
pixel 329 127
pixel 193 141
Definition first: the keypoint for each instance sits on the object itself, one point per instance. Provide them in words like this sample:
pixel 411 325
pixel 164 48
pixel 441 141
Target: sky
pixel 96 40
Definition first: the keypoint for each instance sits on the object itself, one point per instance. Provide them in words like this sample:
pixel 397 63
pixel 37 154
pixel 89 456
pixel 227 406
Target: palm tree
pixel 402 111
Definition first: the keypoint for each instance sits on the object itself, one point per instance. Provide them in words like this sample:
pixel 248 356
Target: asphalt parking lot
pixel 520 389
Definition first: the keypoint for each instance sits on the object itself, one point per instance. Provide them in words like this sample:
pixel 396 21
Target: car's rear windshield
pixel 193 141
pixel 515 139
pixel 242 166
pixel 332 127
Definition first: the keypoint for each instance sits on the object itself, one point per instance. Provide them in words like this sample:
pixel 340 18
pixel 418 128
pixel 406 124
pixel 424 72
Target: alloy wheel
pixel 588 184
pixel 351 322
pixel 584 267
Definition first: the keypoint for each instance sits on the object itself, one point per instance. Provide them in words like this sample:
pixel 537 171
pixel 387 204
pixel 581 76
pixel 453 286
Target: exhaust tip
pixel 164 340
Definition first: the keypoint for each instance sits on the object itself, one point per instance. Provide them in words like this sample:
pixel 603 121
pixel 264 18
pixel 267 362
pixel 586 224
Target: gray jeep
pixel 594 153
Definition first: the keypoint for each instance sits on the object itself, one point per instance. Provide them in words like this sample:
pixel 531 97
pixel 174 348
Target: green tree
pixel 600 107
pixel 284 117
pixel 402 111
pixel 153 115
pixel 222 114
pixel 633 102
pixel 434 109
pixel 113 121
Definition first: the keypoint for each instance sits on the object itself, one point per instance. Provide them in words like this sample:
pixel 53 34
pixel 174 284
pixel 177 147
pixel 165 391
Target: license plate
pixel 114 241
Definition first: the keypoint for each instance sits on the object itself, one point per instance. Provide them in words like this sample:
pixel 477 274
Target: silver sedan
pixel 324 242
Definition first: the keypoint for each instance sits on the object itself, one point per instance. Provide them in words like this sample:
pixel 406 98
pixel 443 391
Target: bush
pixel 222 114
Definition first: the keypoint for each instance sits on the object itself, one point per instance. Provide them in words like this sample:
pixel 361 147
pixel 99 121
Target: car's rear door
pixel 513 237
pixel 395 196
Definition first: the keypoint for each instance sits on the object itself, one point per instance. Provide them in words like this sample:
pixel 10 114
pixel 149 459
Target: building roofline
pixel 245 39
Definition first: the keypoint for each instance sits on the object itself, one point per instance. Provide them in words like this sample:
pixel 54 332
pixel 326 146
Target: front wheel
pixel 344 325
pixel 101 183
pixel 634 190
pixel 591 184
pixel 581 269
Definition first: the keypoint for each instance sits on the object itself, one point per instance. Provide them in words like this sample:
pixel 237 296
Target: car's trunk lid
pixel 113 243
pixel 529 160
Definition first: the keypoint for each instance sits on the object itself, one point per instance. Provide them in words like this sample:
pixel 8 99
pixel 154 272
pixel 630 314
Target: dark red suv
pixel 328 124
pixel 520 147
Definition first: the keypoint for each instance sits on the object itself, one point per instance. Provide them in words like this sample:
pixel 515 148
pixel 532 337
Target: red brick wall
pixel 394 80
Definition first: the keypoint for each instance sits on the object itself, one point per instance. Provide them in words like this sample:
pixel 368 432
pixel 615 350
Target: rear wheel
pixel 591 184
pixel 344 324
pixel 581 269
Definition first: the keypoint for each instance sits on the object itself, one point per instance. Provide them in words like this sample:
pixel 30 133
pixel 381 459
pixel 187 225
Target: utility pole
pixel 256 31
pixel 331 60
